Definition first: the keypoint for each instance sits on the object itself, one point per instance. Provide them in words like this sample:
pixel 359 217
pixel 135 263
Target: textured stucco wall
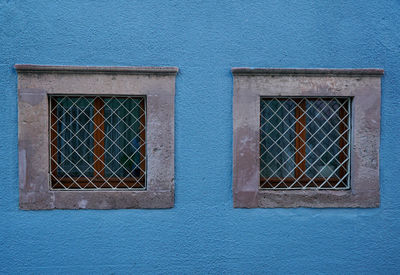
pixel 203 232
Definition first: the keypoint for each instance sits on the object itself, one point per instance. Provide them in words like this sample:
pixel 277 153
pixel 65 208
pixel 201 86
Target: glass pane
pixel 323 138
pixel 122 136
pixel 75 136
pixel 277 138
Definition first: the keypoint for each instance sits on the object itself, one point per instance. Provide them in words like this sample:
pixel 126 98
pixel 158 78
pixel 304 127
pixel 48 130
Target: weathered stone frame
pixel 36 82
pixel 363 85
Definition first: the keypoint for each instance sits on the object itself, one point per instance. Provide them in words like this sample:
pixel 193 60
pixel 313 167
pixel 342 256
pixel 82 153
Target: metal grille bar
pixel 305 143
pixel 97 143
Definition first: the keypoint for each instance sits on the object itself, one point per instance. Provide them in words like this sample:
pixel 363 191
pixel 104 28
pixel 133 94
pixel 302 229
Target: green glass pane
pixel 323 135
pixel 277 138
pixel 75 136
pixel 122 136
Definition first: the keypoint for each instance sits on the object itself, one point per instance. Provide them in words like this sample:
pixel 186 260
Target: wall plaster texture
pixel 202 233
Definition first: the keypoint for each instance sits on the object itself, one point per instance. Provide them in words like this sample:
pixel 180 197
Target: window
pixel 306 137
pixel 96 137
pixel 97 142
pixel 304 143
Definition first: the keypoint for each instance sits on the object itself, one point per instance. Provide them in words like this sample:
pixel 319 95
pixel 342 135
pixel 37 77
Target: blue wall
pixel 203 233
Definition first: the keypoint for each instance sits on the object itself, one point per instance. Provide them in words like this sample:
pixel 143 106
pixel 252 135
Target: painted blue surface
pixel 203 233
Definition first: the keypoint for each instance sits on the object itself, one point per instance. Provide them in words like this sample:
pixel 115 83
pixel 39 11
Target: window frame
pixel 37 82
pixel 362 85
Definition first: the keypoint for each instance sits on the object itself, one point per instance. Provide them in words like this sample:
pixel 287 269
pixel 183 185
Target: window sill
pixel 96 199
pixel 307 198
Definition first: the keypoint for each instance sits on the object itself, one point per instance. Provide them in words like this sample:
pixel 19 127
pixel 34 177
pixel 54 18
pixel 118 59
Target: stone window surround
pixel 362 85
pixel 36 82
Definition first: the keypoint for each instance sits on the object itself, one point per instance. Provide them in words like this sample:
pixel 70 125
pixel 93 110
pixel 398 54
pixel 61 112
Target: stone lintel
pixel 301 71
pixel 28 68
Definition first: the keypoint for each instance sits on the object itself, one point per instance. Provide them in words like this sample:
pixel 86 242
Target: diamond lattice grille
pixel 305 143
pixel 97 142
